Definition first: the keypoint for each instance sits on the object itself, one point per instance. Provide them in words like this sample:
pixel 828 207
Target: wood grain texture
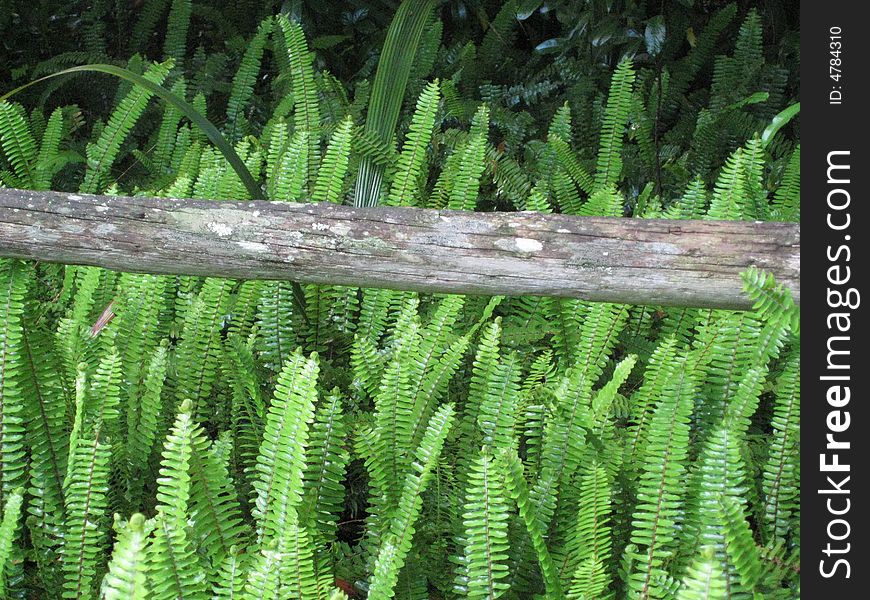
pixel 633 261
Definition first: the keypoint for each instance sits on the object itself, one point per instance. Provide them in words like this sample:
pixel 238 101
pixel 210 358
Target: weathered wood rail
pixel 636 261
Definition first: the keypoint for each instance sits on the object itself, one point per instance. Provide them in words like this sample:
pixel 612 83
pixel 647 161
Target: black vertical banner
pixel 835 424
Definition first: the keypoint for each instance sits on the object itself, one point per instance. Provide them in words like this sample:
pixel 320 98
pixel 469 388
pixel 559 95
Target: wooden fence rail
pixel 635 261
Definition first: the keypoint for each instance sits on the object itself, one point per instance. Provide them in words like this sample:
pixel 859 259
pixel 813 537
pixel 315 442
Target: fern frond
pixel 18 144
pixel 659 498
pixel 774 303
pixel 50 160
pixel 517 487
pixel 45 419
pixel 330 177
pixel 579 175
pixel 290 177
pixel 8 528
pixel 276 337
pixel 126 579
pixel 609 165
pixel 105 150
pixel 786 204
pixel 87 481
pixel 264 576
pixel 741 549
pixel 13 281
pixel 307 111
pixel 394 404
pixel 465 184
pixel 327 459
pixel 406 180
pixel 781 475
pixel 603 202
pixel 588 550
pixel 704 580
pixel 230 581
pixel 281 462
pixel 720 474
pixel 175 43
pixel 692 204
pixel 394 548
pixel 173 568
pixel 242 88
pixel 199 349
pixel 168 134
pixel 730 195
pixel 485 533
pixel 213 506
pixel 142 418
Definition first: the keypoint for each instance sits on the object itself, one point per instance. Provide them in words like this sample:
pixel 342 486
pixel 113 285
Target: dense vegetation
pixel 269 440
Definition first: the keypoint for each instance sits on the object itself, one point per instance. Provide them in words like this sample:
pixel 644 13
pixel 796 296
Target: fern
pixel 18 144
pixel 290 176
pixel 199 350
pixel 176 30
pixel 589 551
pixel 518 489
pixel 397 542
pixel 406 181
pixel 773 302
pixel 609 165
pixel 243 83
pixel 465 184
pixel 280 464
pixel 44 414
pixel 324 494
pixel 704 580
pixel 126 578
pixel 485 521
pixel 213 505
pixel 330 177
pixel 787 198
pixel 659 500
pixel 780 480
pixel 87 483
pixel 307 111
pixel 8 528
pixel 105 150
pixel 142 420
pixel 13 284
pixel 172 564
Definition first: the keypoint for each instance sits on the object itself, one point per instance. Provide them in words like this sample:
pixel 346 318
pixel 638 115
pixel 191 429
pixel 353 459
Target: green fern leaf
pixel 13 282
pixel 105 150
pixel 8 527
pixel 465 184
pixel 307 111
pixel 485 533
pixel 327 459
pixel 659 497
pixel 330 176
pixel 175 44
pixel 17 142
pixel 396 544
pixel 281 462
pixel 126 579
pixel 173 567
pixel 609 166
pixel 246 77
pixel 704 580
pixel 406 181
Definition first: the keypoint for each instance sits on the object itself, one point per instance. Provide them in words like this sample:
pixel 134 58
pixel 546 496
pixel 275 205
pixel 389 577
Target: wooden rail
pixel 634 261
